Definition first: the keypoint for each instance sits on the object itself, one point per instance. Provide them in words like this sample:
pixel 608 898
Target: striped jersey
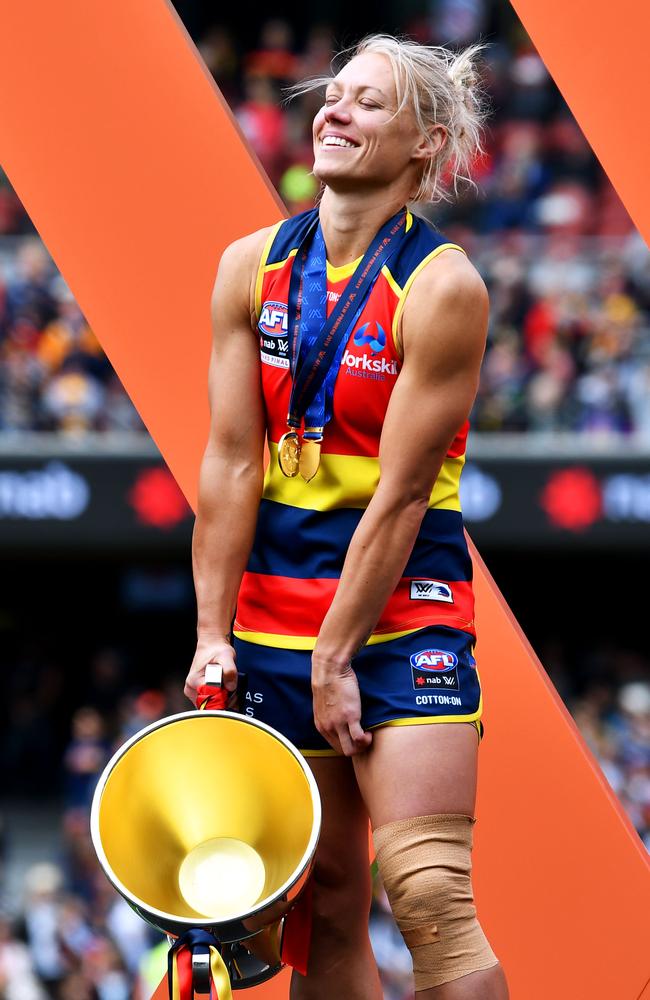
pixel 304 529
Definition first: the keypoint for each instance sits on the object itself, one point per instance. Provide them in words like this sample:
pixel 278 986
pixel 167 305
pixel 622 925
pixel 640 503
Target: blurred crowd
pixel 65 933
pixel 54 376
pixel 569 277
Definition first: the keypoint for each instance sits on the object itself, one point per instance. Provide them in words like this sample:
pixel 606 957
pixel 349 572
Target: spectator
pixel 22 379
pixel 44 885
pixel 73 399
pixel 263 122
pixel 17 977
pixel 274 59
pixel 217 49
pixel 85 757
pixel 29 294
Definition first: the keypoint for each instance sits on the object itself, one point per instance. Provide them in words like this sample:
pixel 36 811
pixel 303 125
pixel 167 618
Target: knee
pixel 341 901
pixel 425 864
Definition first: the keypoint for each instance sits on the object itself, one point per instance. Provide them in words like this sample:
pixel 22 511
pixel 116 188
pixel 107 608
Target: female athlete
pixel 338 585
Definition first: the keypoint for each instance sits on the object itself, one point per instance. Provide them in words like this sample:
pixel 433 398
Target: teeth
pixel 335 140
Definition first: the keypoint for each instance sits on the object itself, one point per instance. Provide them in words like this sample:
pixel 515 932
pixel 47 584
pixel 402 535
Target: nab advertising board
pixel 80 499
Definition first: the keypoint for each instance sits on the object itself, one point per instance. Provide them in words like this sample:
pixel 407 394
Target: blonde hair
pixel 443 88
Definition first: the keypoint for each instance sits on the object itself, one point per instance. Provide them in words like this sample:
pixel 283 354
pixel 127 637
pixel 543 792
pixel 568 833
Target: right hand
pixel 337 707
pixel 213 649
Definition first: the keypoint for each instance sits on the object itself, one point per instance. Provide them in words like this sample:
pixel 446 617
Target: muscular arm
pixel 231 475
pixel 443 332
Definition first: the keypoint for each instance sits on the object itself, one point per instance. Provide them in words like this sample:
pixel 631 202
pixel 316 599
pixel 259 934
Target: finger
pixel 360 737
pixel 194 679
pixel 230 678
pixel 332 738
pixel 228 670
pixel 335 744
pixel 347 745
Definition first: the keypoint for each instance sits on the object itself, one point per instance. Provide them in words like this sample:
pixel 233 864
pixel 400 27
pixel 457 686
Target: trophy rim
pixel 188 922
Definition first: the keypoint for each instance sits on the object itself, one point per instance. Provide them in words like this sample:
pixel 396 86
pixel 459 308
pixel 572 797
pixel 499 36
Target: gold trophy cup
pixel 207 823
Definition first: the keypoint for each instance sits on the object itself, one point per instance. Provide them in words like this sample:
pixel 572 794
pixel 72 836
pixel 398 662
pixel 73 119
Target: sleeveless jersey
pixel 304 529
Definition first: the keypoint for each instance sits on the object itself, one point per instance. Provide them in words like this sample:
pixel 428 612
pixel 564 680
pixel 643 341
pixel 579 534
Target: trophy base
pixel 246 969
pixel 243 967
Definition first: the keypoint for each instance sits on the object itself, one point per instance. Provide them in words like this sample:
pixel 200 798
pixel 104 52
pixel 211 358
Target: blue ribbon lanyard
pixel 317 341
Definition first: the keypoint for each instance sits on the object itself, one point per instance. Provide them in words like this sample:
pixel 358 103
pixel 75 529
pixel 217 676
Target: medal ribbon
pixel 317 341
pixel 179 967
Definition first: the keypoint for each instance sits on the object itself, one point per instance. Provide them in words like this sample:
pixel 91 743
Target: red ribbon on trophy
pixel 195 966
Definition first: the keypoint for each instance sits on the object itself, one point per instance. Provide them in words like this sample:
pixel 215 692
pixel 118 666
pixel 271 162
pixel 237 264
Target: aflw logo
pixel 431 590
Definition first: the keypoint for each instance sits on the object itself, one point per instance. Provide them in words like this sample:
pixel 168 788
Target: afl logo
pixel 274 320
pixel 372 334
pixel 438 660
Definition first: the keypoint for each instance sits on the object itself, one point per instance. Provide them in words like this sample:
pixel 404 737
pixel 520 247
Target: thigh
pixel 342 856
pixel 419 770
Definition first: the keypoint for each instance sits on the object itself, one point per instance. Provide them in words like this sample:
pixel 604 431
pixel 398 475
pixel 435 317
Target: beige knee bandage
pixel 425 865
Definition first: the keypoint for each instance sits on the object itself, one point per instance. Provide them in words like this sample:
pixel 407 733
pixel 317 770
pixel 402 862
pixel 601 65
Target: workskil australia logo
pixel 372 334
pixel 371 337
pixel 434 668
pixel 274 334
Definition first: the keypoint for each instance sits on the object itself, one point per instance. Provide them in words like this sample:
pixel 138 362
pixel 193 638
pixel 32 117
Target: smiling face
pixel 359 141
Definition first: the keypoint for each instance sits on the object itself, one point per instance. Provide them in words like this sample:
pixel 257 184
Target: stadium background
pixel 97 606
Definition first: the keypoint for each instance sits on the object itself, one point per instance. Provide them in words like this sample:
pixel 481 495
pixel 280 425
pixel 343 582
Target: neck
pixel 351 219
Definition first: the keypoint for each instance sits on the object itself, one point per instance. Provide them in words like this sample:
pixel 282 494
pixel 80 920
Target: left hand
pixel 337 707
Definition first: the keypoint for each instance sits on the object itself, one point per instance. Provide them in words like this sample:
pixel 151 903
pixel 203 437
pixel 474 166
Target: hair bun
pixel 463 75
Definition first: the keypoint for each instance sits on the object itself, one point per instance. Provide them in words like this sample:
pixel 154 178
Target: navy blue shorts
pixel 423 677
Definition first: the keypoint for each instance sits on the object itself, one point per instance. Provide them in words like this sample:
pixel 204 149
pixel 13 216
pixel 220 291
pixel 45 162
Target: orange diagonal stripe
pixel 129 165
pixel 597 53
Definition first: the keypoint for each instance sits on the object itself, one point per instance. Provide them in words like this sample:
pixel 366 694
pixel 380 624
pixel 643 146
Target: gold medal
pixel 289 454
pixel 309 457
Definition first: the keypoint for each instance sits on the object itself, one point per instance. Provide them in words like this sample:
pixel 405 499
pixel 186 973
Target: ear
pixel 430 145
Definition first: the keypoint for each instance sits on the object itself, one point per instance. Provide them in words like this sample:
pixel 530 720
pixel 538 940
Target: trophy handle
pixel 212 695
pixel 201 978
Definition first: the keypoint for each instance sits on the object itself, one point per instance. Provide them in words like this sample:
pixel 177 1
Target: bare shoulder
pixel 247 250
pixel 449 276
pixel 447 306
pixel 237 273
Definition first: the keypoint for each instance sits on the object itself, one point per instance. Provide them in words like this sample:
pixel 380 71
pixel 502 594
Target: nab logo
pixel 438 660
pixel 274 321
pixel 372 334
pixel 431 590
